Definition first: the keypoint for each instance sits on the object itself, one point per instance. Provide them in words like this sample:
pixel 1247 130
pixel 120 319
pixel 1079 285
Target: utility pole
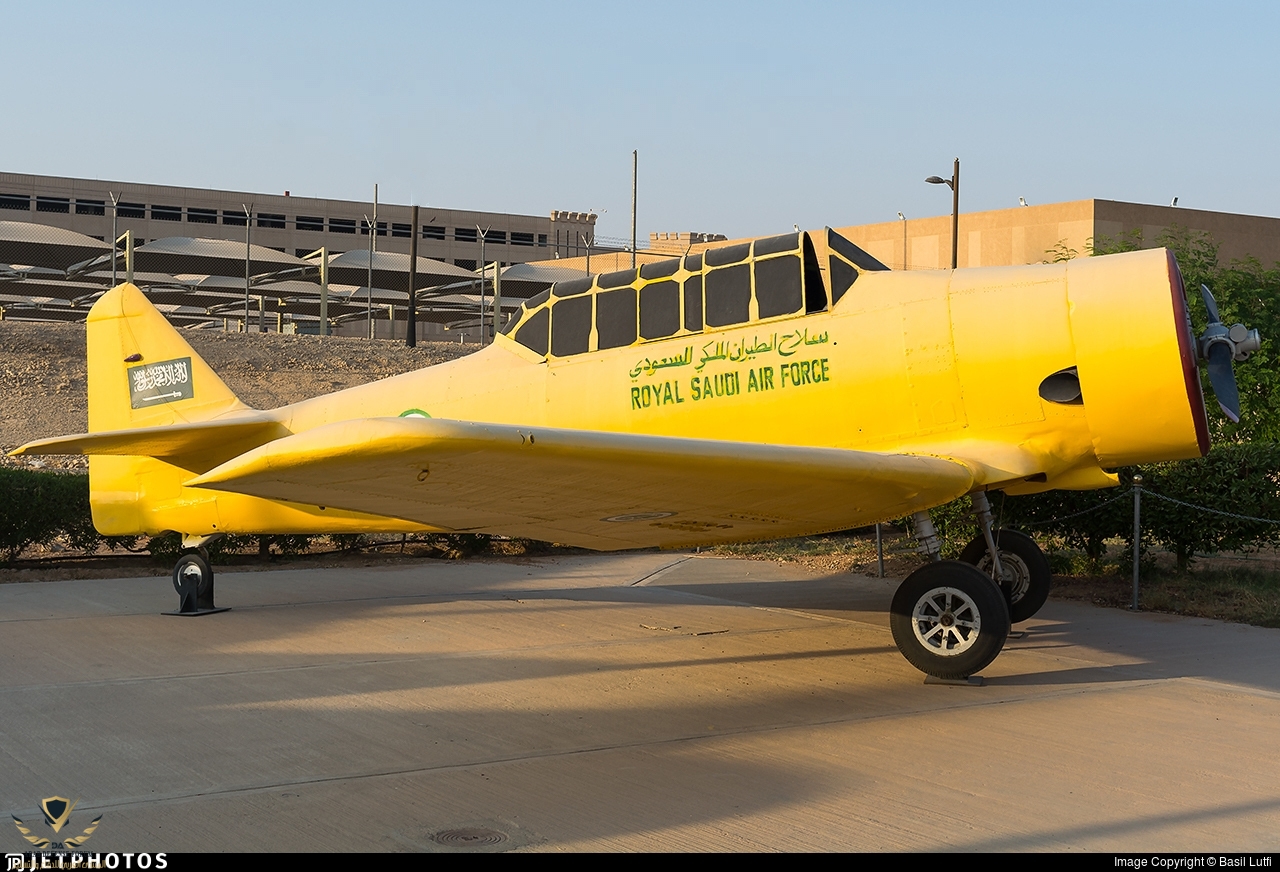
pixel 635 159
pixel 411 324
pixel 497 298
pixel 324 291
pixel 484 269
pixel 373 246
pixel 248 222
pixel 115 233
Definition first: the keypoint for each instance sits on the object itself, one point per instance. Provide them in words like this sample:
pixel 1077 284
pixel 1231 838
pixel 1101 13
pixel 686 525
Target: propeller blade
pixel 1223 379
pixel 1211 304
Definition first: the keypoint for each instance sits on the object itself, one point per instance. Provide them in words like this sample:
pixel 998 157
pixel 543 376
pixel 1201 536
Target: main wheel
pixel 192 567
pixel 948 619
pixel 1025 570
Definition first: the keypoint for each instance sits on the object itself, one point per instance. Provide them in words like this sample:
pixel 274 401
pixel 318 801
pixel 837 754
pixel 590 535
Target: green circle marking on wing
pixel 414 413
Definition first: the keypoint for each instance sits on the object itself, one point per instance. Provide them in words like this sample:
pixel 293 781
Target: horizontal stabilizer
pixel 167 441
pixel 598 490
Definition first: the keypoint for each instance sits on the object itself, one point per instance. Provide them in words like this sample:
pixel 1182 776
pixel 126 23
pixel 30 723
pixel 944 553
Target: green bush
pixel 36 507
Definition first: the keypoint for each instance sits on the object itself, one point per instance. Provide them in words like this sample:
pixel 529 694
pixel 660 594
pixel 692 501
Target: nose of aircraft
pixel 1219 347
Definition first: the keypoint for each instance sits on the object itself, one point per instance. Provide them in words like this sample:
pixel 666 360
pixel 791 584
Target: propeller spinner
pixel 1219 346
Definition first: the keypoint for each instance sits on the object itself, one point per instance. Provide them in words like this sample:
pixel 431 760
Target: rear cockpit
pixel 766 279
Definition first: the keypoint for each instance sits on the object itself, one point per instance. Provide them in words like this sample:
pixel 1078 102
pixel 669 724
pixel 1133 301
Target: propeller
pixel 1220 346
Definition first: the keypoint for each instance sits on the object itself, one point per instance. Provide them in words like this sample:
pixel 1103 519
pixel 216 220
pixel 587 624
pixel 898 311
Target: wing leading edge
pixel 598 490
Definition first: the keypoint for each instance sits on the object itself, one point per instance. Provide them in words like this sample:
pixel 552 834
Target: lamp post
pixel 954 184
pixel 903 219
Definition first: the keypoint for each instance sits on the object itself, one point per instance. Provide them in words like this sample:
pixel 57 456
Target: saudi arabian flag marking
pixel 165 382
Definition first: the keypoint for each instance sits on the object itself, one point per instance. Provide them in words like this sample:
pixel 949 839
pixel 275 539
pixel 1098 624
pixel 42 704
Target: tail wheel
pixel 1025 570
pixel 949 620
pixel 193 571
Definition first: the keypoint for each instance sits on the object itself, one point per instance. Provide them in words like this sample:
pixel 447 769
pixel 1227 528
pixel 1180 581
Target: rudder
pixel 142 373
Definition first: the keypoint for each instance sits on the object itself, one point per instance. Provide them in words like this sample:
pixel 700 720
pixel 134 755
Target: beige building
pixel 1032 234
pixel 1025 234
pixel 294 225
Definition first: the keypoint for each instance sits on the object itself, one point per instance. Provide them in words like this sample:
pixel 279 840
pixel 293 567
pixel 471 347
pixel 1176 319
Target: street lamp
pixel 954 184
pixel 903 219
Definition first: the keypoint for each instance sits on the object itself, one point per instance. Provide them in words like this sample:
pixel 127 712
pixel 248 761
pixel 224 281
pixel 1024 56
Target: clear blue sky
pixel 748 117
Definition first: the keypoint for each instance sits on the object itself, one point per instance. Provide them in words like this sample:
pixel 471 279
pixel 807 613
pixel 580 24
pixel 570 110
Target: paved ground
pixel 635 702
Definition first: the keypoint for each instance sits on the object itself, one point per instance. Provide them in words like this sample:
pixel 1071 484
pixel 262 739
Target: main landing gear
pixel 1024 570
pixel 193 581
pixel 950 618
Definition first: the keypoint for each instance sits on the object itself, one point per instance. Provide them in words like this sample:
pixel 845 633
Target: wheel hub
pixel 946 621
pixel 1015 575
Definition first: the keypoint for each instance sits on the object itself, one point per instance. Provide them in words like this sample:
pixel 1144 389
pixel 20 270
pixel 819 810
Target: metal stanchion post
pixel 879 553
pixel 1137 534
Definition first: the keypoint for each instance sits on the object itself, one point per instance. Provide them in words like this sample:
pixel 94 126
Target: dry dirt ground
pixel 43 387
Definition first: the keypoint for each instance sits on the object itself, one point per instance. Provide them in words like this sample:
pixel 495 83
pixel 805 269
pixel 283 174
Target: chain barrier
pixel 1209 510
pixel 1103 505
pixel 1128 494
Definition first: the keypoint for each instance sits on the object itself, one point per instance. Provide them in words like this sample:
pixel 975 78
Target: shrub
pixel 37 506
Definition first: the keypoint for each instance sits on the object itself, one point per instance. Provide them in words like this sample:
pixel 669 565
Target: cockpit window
pixel 616 318
pixel 533 332
pixel 659 310
pixel 571 326
pixel 659 270
pixel 727 255
pixel 728 295
pixel 771 277
pixel 573 287
pixel 779 286
pixel 619 279
pixel 852 253
pixel 693 303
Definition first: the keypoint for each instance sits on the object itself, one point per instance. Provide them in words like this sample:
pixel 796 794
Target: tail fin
pixel 142 373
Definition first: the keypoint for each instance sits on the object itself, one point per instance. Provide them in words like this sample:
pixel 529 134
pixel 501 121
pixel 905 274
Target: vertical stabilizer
pixel 142 373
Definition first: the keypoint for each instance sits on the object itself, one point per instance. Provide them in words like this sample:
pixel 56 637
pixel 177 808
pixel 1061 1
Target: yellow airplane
pixel 786 386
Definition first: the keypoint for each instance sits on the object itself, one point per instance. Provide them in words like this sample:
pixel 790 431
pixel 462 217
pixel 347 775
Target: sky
pixel 747 117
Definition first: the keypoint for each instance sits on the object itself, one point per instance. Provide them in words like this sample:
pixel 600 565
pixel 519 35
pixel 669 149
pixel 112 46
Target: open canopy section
pixel 391 271
pixel 38 245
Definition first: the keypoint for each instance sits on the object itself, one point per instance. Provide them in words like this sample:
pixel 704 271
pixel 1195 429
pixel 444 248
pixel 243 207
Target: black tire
pixel 949 620
pixel 1027 577
pixel 192 564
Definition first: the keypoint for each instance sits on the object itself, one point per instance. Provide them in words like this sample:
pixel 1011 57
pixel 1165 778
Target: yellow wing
pixel 598 490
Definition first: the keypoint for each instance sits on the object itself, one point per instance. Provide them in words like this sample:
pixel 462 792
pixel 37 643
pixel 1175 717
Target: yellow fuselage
pixel 942 363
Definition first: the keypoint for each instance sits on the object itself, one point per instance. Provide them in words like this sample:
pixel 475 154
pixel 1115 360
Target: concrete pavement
pixel 619 702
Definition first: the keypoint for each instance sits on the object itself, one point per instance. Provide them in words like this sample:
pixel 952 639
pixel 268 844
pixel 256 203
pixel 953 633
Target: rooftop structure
pixel 293 225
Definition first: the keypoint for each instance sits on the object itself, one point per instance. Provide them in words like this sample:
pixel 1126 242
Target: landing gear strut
pixel 1011 559
pixel 193 580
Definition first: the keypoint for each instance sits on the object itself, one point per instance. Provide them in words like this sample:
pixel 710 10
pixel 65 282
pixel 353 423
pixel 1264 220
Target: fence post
pixel 1137 535
pixel 879 553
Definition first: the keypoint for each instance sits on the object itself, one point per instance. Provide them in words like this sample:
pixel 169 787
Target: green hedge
pixel 36 507
pixel 39 506
pixel 1243 479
